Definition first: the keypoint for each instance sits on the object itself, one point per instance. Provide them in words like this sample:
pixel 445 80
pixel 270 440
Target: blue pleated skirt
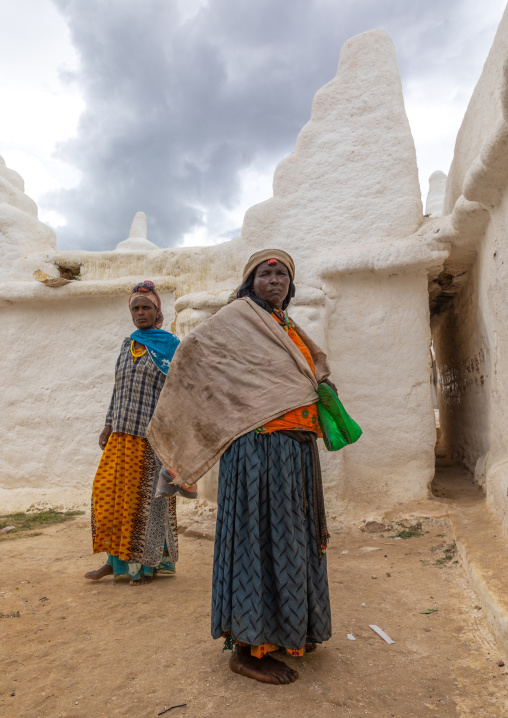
pixel 269 584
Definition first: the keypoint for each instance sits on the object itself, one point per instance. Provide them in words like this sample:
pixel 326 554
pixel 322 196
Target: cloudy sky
pixel 183 108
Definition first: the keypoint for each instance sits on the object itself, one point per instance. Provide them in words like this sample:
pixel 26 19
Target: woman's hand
pixel 330 384
pixel 103 438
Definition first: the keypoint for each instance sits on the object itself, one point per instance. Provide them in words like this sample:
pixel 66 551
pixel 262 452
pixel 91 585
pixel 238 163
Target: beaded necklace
pixel 136 353
pixel 285 321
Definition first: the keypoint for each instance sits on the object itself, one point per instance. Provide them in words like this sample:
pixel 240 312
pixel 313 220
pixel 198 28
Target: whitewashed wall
pixel 472 336
pixel 56 387
pixel 379 342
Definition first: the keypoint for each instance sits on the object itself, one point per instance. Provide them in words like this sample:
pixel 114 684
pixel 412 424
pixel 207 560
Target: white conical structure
pixel 436 196
pixel 352 178
pixel 137 236
pixel 21 233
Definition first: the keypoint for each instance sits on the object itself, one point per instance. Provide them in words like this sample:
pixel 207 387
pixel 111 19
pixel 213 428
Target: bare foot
pixel 309 647
pixel 141 581
pixel 265 670
pixel 105 570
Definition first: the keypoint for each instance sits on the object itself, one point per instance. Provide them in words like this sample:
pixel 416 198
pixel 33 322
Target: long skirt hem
pixel 134 570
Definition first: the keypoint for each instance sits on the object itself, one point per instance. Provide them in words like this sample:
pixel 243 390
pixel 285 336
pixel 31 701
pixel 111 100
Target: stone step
pixel 483 547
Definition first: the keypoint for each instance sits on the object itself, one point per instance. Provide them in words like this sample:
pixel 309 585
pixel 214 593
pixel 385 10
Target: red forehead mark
pixel 272 261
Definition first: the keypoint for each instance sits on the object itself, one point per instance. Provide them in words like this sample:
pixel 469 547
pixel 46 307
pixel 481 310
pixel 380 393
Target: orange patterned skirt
pixel 127 520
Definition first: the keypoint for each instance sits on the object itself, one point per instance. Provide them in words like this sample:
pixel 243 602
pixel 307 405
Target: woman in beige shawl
pixel 243 387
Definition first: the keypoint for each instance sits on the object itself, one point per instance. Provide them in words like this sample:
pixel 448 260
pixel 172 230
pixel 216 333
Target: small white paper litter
pixel 350 637
pixel 381 633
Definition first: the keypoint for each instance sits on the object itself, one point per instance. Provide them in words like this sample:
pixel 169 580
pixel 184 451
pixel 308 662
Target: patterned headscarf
pixel 147 290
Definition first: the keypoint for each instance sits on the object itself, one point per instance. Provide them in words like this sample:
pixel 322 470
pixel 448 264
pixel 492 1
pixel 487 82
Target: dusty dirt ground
pixel 85 650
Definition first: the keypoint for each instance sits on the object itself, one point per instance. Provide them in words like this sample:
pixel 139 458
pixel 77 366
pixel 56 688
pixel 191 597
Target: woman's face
pixel 144 313
pixel 271 282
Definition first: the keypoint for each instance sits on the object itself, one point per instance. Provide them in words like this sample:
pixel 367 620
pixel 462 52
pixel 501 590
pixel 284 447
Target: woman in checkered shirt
pixel 136 530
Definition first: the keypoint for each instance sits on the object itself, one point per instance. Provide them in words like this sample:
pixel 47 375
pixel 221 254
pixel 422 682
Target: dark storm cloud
pixel 176 109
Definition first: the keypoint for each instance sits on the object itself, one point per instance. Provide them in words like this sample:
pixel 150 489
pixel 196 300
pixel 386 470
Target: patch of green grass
pixel 27 522
pixel 410 532
pixel 449 552
pixel 442 561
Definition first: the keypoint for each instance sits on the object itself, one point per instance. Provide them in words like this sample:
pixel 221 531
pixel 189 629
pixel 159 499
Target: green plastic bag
pixel 338 428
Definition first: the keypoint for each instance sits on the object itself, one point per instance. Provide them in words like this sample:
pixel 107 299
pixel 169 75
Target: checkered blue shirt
pixel 136 392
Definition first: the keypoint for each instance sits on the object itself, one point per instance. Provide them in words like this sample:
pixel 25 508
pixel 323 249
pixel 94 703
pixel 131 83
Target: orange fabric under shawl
pixel 305 418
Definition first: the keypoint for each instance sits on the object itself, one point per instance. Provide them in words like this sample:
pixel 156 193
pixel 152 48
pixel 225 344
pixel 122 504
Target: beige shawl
pixel 233 373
